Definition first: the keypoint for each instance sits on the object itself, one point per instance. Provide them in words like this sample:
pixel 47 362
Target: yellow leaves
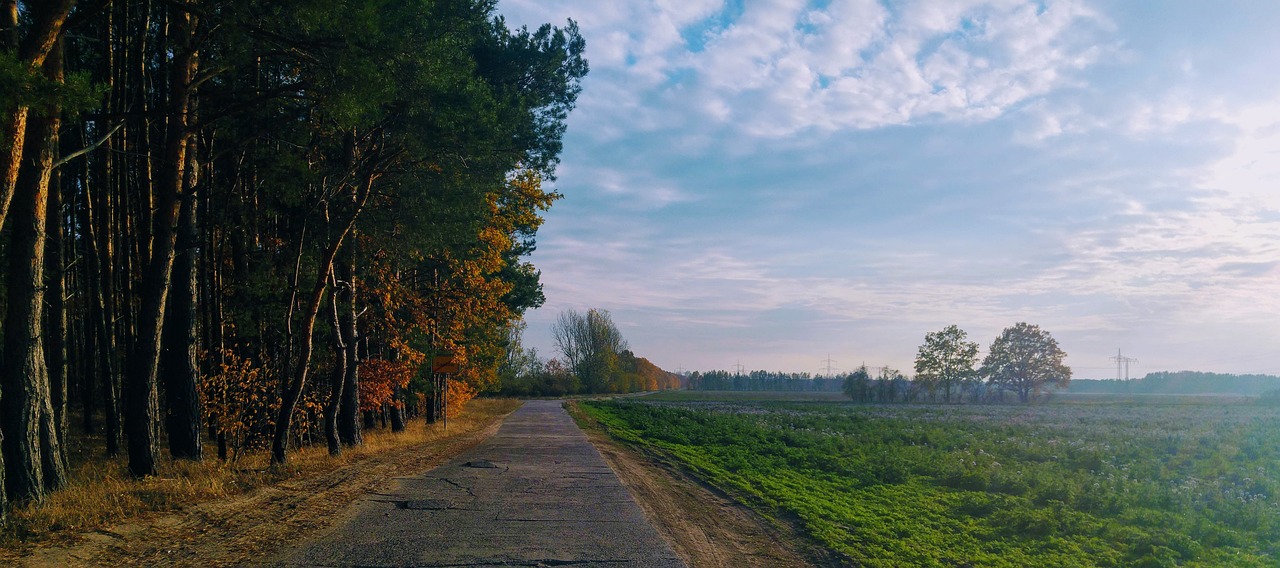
pixel 459 393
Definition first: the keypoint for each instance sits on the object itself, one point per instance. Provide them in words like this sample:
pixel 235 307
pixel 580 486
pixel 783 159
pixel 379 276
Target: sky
pixel 776 183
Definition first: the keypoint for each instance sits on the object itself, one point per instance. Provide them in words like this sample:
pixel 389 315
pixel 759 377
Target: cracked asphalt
pixel 535 494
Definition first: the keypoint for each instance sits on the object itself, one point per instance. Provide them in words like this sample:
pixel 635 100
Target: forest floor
pixel 248 528
pixel 705 528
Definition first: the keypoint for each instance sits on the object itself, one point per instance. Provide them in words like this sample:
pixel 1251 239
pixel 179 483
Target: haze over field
pixel 770 182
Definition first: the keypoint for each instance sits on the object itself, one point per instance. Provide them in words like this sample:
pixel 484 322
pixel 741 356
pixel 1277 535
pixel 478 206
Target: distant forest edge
pixel 593 358
pixel 1164 382
pixel 1182 382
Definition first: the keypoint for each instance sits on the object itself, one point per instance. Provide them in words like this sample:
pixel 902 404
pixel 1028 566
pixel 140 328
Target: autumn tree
pixel 1026 360
pixel 946 361
pixel 204 204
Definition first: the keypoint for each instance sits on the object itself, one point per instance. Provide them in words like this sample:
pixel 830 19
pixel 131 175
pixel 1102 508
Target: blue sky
pixel 770 182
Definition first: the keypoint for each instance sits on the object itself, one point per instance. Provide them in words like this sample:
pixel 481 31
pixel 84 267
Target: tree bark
pixel 33 458
pixel 179 361
pixel 396 411
pixel 306 344
pixel 337 380
pixel 140 370
pixel 33 49
pixel 349 412
pixel 56 320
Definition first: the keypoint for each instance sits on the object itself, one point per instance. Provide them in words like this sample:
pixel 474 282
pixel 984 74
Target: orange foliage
pixel 451 302
pixel 241 399
pixel 379 379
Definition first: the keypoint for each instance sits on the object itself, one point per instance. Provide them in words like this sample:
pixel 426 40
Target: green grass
pixel 744 396
pixel 1046 485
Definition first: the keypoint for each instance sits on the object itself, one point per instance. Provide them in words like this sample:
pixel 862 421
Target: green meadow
pixel 1173 483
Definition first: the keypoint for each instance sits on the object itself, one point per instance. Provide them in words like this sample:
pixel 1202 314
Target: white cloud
pixel 785 65
pixel 733 190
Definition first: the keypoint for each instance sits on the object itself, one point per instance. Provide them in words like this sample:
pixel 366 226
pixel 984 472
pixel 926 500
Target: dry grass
pixel 101 493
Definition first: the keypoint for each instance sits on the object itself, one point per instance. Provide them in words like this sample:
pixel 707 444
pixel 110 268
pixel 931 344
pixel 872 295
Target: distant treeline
pixel 1181 382
pixel 763 381
pixel 594 358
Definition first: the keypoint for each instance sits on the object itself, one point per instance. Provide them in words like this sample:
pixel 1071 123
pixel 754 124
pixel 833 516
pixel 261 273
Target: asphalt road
pixel 535 494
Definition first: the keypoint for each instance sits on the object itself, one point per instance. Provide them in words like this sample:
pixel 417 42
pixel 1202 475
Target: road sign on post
pixel 444 364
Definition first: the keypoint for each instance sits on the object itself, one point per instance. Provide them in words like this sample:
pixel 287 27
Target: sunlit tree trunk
pixel 33 456
pixel 47 20
pixel 348 414
pixel 337 381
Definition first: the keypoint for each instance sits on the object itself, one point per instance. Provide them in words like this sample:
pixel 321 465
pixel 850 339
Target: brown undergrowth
pixel 211 512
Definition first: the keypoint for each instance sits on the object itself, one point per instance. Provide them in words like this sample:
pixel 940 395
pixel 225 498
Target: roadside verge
pixel 703 525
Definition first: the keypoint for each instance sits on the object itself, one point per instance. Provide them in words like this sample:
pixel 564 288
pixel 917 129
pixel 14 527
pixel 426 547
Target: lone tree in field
pixel 1026 359
pixel 946 361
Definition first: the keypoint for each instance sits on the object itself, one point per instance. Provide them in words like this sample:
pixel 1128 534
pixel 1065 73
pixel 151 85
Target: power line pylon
pixel 828 361
pixel 1122 362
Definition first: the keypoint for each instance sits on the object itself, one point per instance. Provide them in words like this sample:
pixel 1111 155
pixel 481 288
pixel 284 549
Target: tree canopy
pixel 268 219
pixel 946 360
pixel 1026 359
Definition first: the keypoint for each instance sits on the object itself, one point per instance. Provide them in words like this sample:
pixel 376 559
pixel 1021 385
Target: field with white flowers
pixel 1178 482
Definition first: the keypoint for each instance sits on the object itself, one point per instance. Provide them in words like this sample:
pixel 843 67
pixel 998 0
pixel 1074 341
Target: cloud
pixel 776 179
pixel 775 68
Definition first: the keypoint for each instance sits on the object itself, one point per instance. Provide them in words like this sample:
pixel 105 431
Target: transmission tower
pixel 828 361
pixel 873 372
pixel 1122 362
pixel 738 366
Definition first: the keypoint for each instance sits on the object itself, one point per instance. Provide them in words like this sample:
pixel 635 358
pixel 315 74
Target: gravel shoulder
pixel 702 525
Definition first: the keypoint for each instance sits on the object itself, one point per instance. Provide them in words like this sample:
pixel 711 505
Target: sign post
pixel 442 366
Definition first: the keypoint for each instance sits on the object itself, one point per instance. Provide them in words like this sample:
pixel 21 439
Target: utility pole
pixel 1122 362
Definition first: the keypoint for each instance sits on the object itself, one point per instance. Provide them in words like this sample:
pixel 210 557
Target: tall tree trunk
pixel 348 414
pixel 33 457
pixel 56 317
pixel 140 370
pixel 337 379
pixel 179 361
pixel 306 345
pixel 32 50
pixel 396 410
pixel 94 324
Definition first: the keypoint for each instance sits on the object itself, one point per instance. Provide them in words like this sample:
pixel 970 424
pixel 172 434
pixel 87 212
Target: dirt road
pixel 268 525
pixel 537 493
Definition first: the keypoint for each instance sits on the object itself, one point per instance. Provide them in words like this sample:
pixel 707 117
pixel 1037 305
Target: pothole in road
pixel 482 464
pixel 424 505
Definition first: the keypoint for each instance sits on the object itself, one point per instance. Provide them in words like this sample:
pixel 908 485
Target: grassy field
pixel 753 396
pixel 1108 484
